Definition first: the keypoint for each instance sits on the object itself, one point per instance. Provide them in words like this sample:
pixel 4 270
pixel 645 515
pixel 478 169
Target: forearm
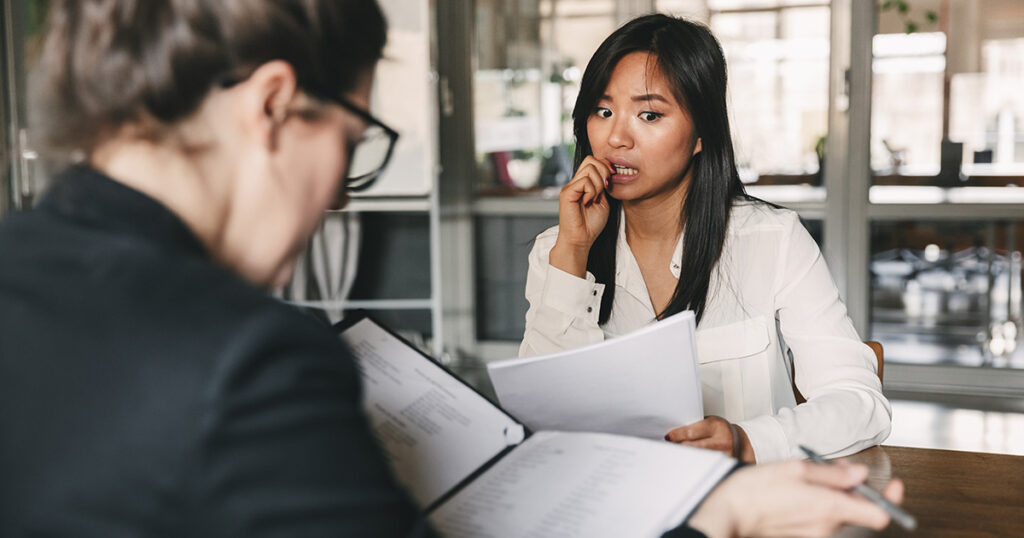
pixel 564 308
pixel 837 422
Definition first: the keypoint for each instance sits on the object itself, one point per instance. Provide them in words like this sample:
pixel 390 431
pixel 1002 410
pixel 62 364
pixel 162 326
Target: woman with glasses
pixel 148 385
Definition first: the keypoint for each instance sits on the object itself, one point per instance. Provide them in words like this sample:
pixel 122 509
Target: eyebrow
pixel 637 98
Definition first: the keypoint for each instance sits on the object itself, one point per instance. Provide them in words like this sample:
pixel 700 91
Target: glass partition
pixel 947 105
pixel 947 292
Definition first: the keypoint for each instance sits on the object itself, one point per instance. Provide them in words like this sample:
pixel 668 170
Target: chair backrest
pixel 879 356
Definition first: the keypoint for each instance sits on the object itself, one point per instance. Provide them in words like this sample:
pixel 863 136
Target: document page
pixel 642 384
pixel 583 484
pixel 434 429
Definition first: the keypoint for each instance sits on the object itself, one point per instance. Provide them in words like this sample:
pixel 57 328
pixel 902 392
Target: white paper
pixel 643 384
pixel 578 484
pixel 435 430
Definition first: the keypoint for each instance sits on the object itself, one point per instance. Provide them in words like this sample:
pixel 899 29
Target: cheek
pixel 595 134
pixel 326 166
pixel 669 151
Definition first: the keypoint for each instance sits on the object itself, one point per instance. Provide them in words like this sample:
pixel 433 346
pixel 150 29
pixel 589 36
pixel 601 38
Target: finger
pixel 835 476
pixel 601 164
pixel 710 443
pixel 581 185
pixel 894 491
pixel 856 510
pixel 607 165
pixel 597 173
pixel 588 192
pixel 603 169
pixel 690 432
pixel 596 181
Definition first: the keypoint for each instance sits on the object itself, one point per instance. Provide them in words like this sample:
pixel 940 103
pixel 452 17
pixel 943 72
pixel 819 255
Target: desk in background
pixel 952 494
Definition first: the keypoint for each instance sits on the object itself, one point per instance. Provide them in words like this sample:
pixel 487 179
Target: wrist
pixel 713 517
pixel 745 449
pixel 570 258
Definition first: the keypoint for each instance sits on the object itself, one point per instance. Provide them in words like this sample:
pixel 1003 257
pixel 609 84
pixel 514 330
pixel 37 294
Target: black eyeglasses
pixel 369 155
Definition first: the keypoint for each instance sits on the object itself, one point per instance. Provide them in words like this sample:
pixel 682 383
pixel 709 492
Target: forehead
pixel 637 74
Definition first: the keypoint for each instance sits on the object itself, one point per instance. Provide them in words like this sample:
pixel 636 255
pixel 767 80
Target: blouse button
pixel 590 309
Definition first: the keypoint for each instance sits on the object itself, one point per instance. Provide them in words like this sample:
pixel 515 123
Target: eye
pixel 650 116
pixel 603 112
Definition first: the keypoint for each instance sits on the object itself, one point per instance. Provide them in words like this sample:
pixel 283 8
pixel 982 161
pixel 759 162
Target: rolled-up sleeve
pixel 836 372
pixel 564 308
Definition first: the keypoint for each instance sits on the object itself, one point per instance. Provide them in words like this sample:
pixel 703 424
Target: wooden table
pixel 952 494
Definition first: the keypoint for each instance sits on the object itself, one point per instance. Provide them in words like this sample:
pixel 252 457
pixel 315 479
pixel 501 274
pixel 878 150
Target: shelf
pixel 411 204
pixel 369 304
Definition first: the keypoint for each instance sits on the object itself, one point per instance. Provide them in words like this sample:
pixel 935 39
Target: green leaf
pixel 931 16
pixel 887 5
pixel 902 6
pixel 911 27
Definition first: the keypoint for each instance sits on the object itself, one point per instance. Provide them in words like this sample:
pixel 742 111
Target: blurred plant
pixel 902 7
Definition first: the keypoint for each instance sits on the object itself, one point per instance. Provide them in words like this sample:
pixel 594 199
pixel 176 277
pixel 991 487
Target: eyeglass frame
pixel 365 181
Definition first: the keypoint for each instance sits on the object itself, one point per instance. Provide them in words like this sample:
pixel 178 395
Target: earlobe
pixel 696 147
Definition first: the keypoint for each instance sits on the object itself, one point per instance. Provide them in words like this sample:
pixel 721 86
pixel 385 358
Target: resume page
pixel 583 484
pixel 434 429
pixel 643 384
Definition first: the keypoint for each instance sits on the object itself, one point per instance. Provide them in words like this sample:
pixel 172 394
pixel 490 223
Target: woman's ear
pixel 696 147
pixel 267 96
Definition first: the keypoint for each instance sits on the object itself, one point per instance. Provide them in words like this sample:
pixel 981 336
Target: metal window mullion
pixel 9 197
pixel 455 189
pixel 847 162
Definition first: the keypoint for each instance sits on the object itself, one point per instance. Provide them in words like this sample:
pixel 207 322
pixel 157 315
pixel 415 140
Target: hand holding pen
pixel 901 517
pixel 791 498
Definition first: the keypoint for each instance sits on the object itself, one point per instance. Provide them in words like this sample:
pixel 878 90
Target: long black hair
pixel 692 60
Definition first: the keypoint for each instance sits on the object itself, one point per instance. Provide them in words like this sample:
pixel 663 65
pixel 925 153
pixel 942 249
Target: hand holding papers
pixel 643 384
pixel 466 461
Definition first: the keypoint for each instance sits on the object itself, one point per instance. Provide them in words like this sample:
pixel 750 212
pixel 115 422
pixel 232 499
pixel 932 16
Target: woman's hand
pixel 713 433
pixel 582 213
pixel 791 498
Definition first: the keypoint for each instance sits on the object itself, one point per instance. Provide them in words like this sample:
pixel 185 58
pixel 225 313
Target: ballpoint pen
pixel 897 514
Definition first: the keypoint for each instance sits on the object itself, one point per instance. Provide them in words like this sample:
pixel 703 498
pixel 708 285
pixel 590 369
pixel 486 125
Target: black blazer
pixel 145 391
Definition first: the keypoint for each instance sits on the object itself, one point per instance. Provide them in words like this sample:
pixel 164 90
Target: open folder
pixel 645 383
pixel 477 471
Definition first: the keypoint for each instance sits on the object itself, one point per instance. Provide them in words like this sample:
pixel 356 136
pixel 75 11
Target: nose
pixel 620 135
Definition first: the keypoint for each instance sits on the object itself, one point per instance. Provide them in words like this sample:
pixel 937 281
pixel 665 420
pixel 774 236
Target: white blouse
pixel 772 305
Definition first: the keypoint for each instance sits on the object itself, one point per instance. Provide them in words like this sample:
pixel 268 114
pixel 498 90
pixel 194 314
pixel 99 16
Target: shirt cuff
pixel 767 438
pixel 572 295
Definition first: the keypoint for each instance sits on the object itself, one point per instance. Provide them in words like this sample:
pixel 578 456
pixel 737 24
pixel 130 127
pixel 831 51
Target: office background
pixel 895 128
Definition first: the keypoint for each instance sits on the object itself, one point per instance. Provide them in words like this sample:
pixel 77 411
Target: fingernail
pixel 666 437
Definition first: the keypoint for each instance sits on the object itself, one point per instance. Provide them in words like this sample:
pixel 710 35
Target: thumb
pixel 843 476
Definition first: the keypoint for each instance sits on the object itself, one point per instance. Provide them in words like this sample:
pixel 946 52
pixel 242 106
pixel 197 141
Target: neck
pixel 658 218
pixel 179 182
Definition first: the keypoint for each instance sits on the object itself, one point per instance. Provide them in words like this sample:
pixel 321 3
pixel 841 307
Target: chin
pixel 282 276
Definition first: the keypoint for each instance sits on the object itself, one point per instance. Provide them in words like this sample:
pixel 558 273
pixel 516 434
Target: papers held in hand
pixel 644 384
pixel 477 472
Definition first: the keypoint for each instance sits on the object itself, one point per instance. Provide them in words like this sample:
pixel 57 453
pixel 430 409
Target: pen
pixel 897 514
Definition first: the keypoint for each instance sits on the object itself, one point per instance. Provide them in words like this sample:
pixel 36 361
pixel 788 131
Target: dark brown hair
pixel 106 64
